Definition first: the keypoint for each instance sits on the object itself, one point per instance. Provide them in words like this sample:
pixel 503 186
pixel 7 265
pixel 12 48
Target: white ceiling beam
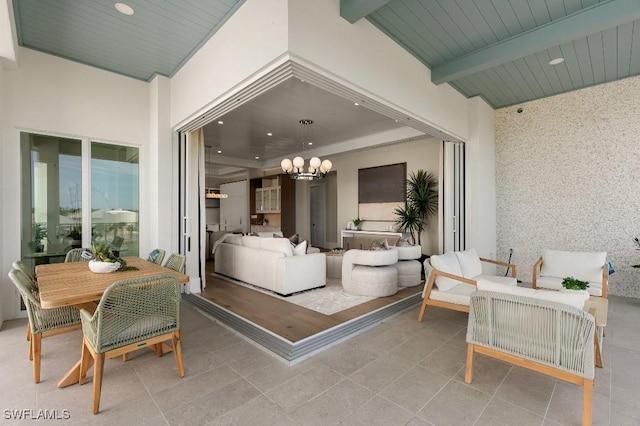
pixel 580 24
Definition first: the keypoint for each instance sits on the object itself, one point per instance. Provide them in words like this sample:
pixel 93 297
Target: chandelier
pixel 296 169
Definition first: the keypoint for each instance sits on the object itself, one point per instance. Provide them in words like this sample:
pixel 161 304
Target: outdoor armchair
pixel 555 265
pixel 176 262
pixel 75 255
pixel 156 256
pixel 132 314
pixel 42 322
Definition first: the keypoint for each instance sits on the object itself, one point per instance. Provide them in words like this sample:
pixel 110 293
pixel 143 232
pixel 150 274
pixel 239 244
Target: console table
pixel 363 239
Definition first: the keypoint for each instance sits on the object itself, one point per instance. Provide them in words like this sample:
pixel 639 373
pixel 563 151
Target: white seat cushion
pixel 585 266
pixel 469 263
pixel 408 252
pixel 552 283
pixel 497 279
pixel 459 294
pixel 448 263
pixel 571 298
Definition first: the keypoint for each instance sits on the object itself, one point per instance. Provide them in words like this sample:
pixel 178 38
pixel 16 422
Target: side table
pixel 334 265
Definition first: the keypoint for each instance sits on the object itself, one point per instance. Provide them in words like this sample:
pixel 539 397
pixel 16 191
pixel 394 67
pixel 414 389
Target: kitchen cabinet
pixel 268 200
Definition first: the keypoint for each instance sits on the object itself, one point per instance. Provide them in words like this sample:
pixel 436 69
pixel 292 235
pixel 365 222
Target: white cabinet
pixel 268 200
pixel 234 209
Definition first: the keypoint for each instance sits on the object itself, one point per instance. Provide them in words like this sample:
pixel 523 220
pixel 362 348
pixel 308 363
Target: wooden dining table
pixel 73 284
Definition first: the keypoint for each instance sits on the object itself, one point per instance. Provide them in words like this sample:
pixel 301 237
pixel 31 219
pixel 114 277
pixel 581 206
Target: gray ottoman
pixel 370 273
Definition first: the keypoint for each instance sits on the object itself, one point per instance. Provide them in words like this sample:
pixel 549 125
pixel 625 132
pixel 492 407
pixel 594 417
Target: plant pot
pixel 103 267
pixel 570 290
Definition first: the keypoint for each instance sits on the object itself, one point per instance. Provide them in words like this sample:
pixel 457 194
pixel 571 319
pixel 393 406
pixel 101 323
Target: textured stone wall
pixel 568 178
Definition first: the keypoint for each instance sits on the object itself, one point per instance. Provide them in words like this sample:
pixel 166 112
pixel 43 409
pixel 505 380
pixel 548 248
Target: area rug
pixel 327 300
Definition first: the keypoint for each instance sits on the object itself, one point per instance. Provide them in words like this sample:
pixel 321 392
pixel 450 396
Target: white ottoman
pixel 409 272
pixel 370 273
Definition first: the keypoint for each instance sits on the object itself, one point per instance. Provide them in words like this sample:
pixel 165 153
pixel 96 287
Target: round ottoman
pixel 409 273
pixel 376 281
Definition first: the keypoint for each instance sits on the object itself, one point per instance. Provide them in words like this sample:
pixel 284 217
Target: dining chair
pixel 20 266
pixel 176 262
pixel 132 314
pixel 75 255
pixel 157 256
pixel 42 322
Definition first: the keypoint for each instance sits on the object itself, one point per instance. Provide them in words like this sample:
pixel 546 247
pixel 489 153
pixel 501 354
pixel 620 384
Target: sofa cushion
pixel 235 239
pixel 469 263
pixel 281 245
pixel 585 266
pixel 300 249
pixel 459 295
pixel 497 279
pixel 571 298
pixel 553 283
pixel 448 263
pixel 251 241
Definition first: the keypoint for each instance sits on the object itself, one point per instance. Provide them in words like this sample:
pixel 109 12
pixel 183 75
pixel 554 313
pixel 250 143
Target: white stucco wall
pixel 45 93
pixel 567 172
pixel 242 50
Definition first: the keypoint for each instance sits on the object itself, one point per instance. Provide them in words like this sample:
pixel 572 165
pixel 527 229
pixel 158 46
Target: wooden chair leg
pixel 36 350
pixel 468 372
pixel 158 349
pixel 177 353
pixel 587 398
pixel 30 343
pixel 98 368
pixel 423 309
pixel 125 357
pixel 85 358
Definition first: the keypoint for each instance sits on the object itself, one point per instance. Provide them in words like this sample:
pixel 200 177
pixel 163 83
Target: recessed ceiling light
pixel 124 9
pixel 356 104
pixel 269 134
pixel 257 158
pixel 310 143
pixel 220 122
pixel 556 61
pixel 219 152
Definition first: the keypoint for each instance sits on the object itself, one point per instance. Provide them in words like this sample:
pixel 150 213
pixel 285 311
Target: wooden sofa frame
pixel 454 306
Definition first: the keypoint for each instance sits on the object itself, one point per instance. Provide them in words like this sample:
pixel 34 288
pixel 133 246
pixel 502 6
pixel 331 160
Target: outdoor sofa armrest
pixel 499 263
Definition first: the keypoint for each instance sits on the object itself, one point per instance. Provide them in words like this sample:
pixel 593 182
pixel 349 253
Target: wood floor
pixel 287 320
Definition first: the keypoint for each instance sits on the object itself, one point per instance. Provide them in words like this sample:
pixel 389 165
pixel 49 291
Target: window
pixel 56 172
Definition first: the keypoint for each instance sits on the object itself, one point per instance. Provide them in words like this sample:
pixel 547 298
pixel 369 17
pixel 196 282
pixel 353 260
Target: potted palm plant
pixel 421 205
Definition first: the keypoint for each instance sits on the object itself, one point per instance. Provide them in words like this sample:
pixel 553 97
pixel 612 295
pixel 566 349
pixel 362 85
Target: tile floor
pixel 400 372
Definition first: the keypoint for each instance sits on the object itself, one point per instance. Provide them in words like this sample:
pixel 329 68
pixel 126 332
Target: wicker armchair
pixel 75 255
pixel 42 322
pixel 156 256
pixel 176 262
pixel 132 314
pixel 543 336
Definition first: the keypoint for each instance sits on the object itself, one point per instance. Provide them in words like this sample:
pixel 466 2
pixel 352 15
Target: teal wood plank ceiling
pixel 497 49
pixel 500 49
pixel 157 39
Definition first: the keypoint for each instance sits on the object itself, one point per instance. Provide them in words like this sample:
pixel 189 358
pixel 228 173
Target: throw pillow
pixel 300 249
pixel 448 263
pixel 469 263
pixel 295 239
pixel 154 255
pixel 403 242
pixel 377 245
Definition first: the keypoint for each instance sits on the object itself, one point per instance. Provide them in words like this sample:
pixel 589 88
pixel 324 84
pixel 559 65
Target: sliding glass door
pixel 75 192
pixel 454 195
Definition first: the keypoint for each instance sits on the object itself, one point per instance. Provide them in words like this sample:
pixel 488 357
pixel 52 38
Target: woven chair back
pixel 157 256
pixel 42 320
pixel 134 310
pixel 19 265
pixel 75 255
pixel 176 262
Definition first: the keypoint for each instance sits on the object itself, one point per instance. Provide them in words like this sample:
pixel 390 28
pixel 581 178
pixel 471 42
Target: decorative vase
pixel 585 291
pixel 103 267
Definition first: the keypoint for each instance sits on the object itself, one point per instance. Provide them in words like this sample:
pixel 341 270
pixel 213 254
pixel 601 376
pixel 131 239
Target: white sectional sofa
pixel 270 263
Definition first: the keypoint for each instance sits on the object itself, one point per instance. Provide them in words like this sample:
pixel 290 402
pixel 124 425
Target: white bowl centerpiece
pixel 104 261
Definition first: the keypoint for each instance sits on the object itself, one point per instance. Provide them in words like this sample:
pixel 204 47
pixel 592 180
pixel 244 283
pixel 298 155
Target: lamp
pixel 295 169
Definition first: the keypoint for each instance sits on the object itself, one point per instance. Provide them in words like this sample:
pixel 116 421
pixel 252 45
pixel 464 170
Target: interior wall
pixel 420 154
pixel 44 93
pixel 567 172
